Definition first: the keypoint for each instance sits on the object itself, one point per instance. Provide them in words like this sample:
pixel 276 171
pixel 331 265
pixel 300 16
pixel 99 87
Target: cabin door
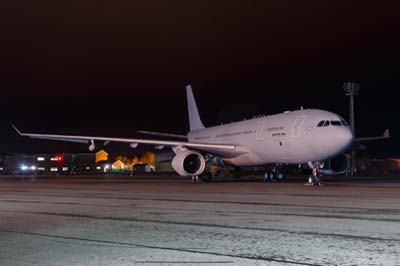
pixel 260 133
pixel 297 126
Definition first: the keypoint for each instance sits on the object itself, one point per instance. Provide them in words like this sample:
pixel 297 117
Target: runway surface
pixel 161 221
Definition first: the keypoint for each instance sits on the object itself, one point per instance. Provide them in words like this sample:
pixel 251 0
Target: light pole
pixel 351 89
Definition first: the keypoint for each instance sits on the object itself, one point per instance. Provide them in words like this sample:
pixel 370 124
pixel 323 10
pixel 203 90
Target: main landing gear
pixel 276 174
pixel 315 178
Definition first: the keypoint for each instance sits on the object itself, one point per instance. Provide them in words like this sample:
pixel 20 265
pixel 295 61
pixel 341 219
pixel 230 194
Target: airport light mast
pixel 351 89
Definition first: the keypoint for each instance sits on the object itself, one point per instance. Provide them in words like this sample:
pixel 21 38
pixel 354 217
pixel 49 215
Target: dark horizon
pixel 96 68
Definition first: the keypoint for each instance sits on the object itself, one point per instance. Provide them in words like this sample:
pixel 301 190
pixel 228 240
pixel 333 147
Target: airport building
pixel 49 163
pixel 80 163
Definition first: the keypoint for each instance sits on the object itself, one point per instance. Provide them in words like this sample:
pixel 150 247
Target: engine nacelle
pixel 92 147
pixel 336 166
pixel 339 163
pixel 188 163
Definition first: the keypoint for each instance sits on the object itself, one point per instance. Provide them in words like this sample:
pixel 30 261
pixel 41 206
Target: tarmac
pixel 170 221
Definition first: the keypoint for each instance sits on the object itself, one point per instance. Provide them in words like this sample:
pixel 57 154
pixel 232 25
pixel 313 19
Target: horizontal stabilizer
pixel 386 135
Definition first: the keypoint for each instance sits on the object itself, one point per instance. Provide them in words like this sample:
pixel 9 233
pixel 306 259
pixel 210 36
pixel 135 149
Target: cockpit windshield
pixel 336 123
pixel 327 123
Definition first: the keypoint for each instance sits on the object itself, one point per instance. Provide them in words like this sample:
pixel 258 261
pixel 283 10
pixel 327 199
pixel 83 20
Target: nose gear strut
pixel 315 178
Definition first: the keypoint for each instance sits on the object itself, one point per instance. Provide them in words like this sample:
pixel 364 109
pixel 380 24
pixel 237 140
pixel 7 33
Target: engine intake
pixel 188 163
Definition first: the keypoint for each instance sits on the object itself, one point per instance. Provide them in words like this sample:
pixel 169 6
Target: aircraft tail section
pixel 194 117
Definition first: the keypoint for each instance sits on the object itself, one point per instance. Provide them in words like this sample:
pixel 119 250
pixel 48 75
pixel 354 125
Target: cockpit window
pixel 327 123
pixel 336 123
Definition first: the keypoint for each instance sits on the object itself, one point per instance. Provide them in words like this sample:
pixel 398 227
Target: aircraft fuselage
pixel 291 138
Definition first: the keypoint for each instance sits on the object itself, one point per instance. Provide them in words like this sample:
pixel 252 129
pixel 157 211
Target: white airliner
pixel 296 137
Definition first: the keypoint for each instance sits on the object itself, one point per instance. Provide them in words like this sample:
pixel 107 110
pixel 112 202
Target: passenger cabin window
pixel 336 123
pixel 321 124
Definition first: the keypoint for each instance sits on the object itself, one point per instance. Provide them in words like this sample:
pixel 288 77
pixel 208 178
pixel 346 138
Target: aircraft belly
pixel 273 151
pixel 245 160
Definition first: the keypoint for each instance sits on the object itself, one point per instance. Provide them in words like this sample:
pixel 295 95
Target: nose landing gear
pixel 315 178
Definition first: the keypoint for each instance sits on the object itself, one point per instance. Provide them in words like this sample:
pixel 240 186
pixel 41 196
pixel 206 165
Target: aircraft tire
pixel 266 176
pixel 281 177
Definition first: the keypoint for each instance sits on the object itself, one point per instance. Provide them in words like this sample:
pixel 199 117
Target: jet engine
pixel 92 146
pixel 336 166
pixel 188 163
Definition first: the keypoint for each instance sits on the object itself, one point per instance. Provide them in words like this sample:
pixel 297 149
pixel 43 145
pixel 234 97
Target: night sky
pixel 113 67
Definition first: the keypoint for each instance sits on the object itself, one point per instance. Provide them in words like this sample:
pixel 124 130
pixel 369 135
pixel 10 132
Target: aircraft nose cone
pixel 347 137
pixel 333 141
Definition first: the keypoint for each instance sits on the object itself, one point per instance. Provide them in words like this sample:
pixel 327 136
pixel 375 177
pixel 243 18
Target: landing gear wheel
pixel 281 176
pixel 269 177
pixel 266 176
pixel 314 179
pixel 272 176
pixel 275 175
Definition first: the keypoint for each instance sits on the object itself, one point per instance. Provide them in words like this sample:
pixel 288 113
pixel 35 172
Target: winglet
pixel 16 129
pixel 386 134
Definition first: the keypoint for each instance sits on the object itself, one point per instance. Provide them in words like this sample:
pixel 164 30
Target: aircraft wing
pixel 161 134
pixel 87 139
